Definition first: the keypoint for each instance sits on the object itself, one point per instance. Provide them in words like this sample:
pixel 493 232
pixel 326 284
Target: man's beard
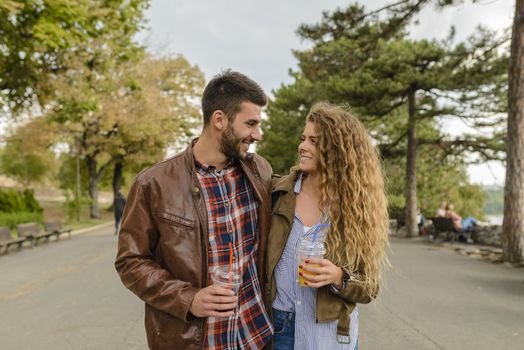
pixel 230 144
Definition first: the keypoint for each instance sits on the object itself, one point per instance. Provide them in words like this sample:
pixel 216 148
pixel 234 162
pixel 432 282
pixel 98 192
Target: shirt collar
pixel 204 169
pixel 298 188
pixel 298 184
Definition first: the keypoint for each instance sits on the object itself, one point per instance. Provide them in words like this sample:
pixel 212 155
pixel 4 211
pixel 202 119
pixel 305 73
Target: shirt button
pixel 226 203
pixel 196 189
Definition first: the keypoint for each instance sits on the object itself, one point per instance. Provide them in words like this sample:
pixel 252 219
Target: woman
pixel 459 223
pixel 337 182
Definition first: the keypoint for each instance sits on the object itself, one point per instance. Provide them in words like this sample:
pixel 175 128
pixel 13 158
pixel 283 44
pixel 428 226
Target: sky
pixel 257 38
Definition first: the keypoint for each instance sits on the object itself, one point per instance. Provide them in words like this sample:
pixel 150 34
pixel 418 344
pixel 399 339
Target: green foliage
pixel 35 36
pixel 67 175
pixel 31 204
pixel 12 201
pixel 396 205
pixel 12 219
pixel 120 104
pixel 494 204
pixel 162 88
pixel 470 201
pixel 370 63
pixel 73 206
pixel 23 166
pixel 439 179
pixel 285 123
pixel 281 139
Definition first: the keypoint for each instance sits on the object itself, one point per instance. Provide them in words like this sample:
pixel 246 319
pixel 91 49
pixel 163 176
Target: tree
pixel 139 109
pixel 90 76
pixel 33 37
pixel 369 63
pixel 27 156
pixel 440 176
pixel 513 224
pixel 25 168
pixel 155 110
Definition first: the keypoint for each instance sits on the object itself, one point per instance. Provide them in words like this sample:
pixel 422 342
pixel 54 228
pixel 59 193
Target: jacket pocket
pixel 175 219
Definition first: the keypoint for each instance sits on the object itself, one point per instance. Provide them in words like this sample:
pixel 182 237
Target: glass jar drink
pixel 224 277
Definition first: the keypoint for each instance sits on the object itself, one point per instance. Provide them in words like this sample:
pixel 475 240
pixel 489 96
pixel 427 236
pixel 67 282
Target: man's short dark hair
pixel 226 92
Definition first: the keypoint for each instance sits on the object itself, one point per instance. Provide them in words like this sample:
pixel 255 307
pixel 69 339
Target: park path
pixel 438 299
pixel 67 295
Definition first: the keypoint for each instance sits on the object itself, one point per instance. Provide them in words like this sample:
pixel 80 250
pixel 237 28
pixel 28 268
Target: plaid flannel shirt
pixel 232 217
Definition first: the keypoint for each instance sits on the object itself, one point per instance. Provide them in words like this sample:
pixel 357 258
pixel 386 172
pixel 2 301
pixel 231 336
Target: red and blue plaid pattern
pixel 232 218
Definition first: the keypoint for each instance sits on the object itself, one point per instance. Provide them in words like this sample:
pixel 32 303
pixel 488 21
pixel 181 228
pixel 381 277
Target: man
pixel 182 217
pixel 441 210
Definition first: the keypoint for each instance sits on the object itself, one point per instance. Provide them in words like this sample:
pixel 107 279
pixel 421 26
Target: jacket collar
pixel 284 189
pixel 286 183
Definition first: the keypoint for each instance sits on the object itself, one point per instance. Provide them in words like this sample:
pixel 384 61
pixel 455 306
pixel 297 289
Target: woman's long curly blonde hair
pixel 352 192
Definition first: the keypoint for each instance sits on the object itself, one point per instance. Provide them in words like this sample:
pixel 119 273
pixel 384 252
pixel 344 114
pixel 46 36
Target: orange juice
pixel 301 279
pixel 308 248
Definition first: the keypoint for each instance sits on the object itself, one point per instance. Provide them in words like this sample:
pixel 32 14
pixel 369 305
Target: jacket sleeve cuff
pixel 354 292
pixel 335 290
pixel 184 305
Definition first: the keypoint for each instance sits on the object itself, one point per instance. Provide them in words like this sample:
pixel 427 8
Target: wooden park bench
pixel 6 239
pixel 32 232
pixel 446 225
pixel 56 227
pixel 401 220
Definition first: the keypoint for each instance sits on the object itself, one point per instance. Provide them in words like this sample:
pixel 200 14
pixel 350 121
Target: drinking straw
pixel 317 230
pixel 230 262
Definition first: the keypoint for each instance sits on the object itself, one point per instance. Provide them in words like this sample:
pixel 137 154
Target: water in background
pixel 494 219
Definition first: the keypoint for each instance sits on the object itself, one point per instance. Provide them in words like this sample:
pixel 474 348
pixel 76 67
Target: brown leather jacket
pixel 162 247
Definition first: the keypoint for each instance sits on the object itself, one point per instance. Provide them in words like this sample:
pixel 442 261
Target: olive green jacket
pixel 329 306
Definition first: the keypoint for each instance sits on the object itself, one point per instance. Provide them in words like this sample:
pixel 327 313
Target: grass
pixel 54 210
pixel 12 219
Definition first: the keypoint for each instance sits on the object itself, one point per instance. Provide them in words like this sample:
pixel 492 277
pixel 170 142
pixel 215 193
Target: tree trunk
pixel 117 176
pixel 513 224
pixel 411 170
pixel 94 212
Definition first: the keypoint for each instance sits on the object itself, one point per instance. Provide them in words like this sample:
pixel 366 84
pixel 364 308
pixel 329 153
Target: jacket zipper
pixel 203 227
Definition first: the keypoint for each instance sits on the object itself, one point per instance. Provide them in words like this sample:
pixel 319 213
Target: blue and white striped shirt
pixel 292 297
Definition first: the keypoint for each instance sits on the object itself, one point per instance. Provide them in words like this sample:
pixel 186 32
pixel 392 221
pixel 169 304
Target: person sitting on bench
pixel 459 223
pixel 441 210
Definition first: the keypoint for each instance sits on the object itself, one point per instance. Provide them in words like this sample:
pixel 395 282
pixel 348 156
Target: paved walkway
pixel 438 299
pixel 66 295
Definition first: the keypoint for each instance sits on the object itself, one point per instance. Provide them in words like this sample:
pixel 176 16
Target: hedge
pixel 12 201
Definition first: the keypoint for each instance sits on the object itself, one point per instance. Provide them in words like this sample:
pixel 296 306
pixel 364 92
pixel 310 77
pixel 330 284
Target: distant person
pixel 441 210
pixel 206 208
pixel 460 224
pixel 118 207
pixel 421 220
